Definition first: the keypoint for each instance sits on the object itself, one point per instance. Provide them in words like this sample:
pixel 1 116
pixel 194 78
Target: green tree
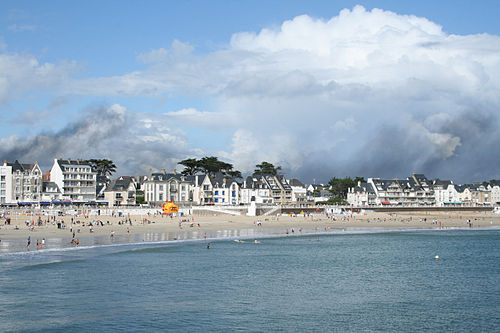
pixel 103 167
pixel 209 165
pixel 266 168
pixel 340 186
pixel 191 166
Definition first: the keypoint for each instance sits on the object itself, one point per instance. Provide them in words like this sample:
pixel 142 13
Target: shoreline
pixel 159 228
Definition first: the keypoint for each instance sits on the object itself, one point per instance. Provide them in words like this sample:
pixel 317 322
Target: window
pixel 183 187
pixel 216 199
pixel 160 196
pixel 2 185
pixel 2 178
pixel 2 192
pixel 216 192
pixel 233 194
pixel 223 192
pixel 205 188
pixel 160 187
pixel 222 199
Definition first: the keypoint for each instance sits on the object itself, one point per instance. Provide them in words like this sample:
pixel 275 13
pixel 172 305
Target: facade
pixel 362 195
pixel 299 191
pixel 226 191
pixel 121 192
pixel 161 186
pixel 20 182
pixel 50 192
pixel 255 189
pixel 494 189
pixel 75 179
pixel 412 191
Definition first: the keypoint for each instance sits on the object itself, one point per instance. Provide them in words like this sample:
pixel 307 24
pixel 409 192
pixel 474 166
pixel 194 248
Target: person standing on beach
pixel 29 242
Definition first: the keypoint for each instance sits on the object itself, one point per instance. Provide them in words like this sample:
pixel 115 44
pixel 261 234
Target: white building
pixel 50 192
pixel 20 182
pixel 161 186
pixel 75 179
pixel 255 189
pixel 299 191
pixel 362 195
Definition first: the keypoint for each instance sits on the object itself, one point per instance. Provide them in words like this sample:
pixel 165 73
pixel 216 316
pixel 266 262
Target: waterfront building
pixel 75 179
pixel 20 182
pixel 51 192
pixel 299 191
pixel 255 189
pixel 121 192
pixel 159 187
pixel 362 195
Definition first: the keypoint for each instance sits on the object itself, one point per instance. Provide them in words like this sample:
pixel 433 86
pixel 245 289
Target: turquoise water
pixel 342 282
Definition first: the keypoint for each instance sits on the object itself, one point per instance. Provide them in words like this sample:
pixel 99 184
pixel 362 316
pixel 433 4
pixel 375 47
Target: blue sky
pixel 295 83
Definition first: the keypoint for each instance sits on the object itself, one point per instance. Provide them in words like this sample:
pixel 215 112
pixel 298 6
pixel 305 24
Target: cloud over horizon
pixel 370 93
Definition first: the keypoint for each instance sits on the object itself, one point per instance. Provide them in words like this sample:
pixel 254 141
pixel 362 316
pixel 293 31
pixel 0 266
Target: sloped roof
pixel 20 166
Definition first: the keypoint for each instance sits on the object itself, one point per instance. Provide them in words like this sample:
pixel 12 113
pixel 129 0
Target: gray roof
pixel 296 182
pixel 364 187
pixel 120 184
pixel 52 185
pixel 20 166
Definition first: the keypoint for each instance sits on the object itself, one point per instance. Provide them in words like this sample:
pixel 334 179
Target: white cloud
pixel 24 73
pixel 287 93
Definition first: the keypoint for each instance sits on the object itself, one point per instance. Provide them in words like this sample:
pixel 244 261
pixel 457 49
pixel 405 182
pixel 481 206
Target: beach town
pixel 71 205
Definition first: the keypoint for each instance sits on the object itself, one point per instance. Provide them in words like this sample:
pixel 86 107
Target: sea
pixel 341 281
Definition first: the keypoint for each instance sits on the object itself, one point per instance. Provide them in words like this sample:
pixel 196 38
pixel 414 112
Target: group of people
pixel 39 244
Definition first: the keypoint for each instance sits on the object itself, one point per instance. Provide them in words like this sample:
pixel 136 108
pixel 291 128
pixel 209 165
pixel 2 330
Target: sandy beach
pixel 92 229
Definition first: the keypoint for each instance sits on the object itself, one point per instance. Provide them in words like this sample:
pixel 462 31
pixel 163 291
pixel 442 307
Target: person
pixel 208 246
pixel 112 234
pixel 29 242
pixel 42 245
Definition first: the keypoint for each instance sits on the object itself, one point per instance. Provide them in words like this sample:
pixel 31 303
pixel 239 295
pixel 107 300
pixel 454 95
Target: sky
pixel 321 88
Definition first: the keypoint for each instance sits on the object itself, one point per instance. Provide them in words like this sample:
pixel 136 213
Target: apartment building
pixel 20 182
pixel 75 179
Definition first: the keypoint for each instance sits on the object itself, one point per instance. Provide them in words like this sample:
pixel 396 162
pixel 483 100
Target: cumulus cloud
pixel 368 92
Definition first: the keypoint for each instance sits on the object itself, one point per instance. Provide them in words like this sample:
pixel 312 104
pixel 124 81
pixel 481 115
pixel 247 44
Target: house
pixel 20 182
pixel 443 192
pixel 494 189
pixel 255 189
pixel 50 192
pixel 159 187
pixel 75 179
pixel 226 191
pixel 299 191
pixel 362 195
pixel 121 192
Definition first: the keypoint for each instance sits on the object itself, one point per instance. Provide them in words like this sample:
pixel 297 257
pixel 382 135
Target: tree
pixel 340 186
pixel 209 165
pixel 103 167
pixel 266 168
pixel 191 166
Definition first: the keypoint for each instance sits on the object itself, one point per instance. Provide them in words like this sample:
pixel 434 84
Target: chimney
pixel 150 173
pixel 163 171
pixel 174 171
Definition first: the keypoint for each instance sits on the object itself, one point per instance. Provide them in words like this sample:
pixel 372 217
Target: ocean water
pixel 343 282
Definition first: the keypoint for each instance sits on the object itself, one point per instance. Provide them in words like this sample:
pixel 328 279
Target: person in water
pixel 208 246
